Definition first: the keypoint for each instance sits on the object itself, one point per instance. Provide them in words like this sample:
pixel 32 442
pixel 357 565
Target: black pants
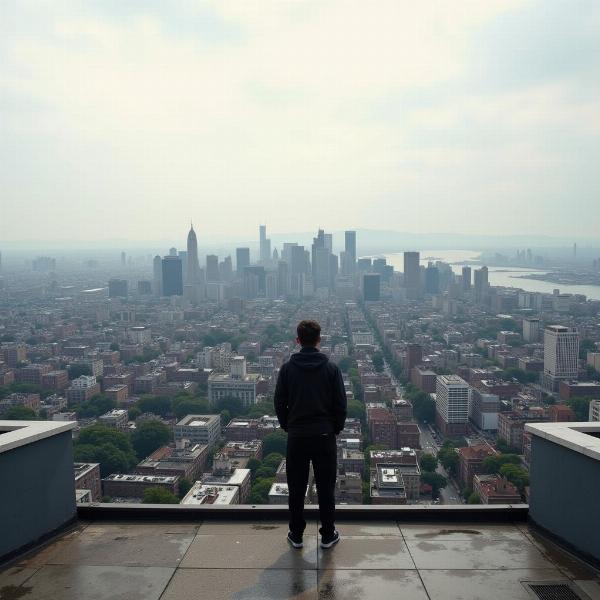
pixel 321 450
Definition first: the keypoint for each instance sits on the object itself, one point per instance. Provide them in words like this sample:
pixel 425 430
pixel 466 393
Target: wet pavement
pixel 243 561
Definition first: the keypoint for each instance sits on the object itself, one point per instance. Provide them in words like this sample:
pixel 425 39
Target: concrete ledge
pixel 14 434
pixel 500 513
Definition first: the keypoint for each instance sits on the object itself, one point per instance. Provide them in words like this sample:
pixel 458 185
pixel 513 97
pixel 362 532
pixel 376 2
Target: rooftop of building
pixel 197 420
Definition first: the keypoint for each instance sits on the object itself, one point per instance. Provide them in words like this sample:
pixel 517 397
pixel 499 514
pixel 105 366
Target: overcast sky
pixel 123 119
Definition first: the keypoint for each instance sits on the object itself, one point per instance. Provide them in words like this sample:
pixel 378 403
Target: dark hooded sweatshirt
pixel 310 398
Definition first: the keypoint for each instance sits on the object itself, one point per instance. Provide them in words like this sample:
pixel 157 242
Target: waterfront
pixel 498 276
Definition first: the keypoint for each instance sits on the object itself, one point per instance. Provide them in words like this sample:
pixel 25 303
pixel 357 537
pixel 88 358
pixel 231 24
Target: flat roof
pixel 579 437
pixel 14 434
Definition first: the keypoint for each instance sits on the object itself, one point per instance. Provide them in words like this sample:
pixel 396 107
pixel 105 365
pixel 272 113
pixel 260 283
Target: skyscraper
pixel 172 276
pixel 452 405
pixel 349 260
pixel 242 259
pixel 157 275
pixel 432 280
pixel 412 275
pixel 212 267
pixel 371 287
pixel 265 245
pixel 561 355
pixel 193 265
pixel 466 278
pixel 481 283
pixel 321 262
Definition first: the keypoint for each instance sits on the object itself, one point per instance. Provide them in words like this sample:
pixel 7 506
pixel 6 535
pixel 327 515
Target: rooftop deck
pixel 168 560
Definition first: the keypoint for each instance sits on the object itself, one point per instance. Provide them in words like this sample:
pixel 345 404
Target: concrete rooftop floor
pixel 243 561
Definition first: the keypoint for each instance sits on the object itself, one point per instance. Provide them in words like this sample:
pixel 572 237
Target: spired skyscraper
pixel 193 287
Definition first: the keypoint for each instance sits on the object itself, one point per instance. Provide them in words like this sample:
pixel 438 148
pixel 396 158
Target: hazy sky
pixel 123 119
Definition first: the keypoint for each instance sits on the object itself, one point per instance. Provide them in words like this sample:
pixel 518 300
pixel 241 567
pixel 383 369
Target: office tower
pixel 283 278
pixel 123 259
pixel 271 287
pixel 412 275
pixel 265 245
pixel 561 355
pixel 117 288
pixel 481 283
pixel 193 264
pixel 329 241
pixel 226 269
pixel 321 262
pixel 172 251
pixel 349 264
pixel 432 280
pixel 298 269
pixel 531 330
pixel 212 267
pixel 157 275
pixel 466 279
pixel 184 263
pixel 286 253
pixel 379 265
pixel 364 264
pixel 371 287
pixel 452 405
pixel 242 259
pixel 172 276
pixel 275 255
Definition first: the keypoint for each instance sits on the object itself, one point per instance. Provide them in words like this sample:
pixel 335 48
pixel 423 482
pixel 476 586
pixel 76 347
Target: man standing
pixel 310 402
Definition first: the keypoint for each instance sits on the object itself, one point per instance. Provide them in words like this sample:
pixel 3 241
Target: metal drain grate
pixel 546 590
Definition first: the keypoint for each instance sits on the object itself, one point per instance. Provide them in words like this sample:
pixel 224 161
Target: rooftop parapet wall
pixel 38 482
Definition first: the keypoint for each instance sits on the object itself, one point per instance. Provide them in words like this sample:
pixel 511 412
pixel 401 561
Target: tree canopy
pixel 428 463
pixel 150 436
pixel 159 495
pixel 109 447
pixel 20 413
pixel 275 442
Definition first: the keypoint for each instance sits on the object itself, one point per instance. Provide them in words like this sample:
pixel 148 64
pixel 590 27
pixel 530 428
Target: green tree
pixel 158 405
pixel 436 481
pixel 474 498
pixel 133 413
pixel 77 370
pixel 185 485
pixel 184 406
pixel 581 407
pixel 493 464
pixel 378 362
pixel 356 410
pixel 20 413
pixel 231 404
pixel 428 463
pixel 259 494
pixel 586 345
pixel 253 464
pixel 95 406
pixel 515 474
pixel 109 447
pixel 275 442
pixel 150 436
pixel 504 447
pixel 265 472
pixel 345 363
pixel 273 460
pixel 159 495
pixel 448 458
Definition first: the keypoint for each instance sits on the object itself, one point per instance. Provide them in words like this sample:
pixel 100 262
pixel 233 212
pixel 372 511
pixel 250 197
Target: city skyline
pixel 442 119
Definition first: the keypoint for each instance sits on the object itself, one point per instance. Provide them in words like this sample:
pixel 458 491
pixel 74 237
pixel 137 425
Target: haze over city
pixel 120 120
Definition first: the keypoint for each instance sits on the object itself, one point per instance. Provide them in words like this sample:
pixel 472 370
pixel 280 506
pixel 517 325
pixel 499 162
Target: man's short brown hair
pixel 308 332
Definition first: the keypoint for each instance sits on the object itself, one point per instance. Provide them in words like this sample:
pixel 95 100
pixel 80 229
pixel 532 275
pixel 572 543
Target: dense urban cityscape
pixel 168 365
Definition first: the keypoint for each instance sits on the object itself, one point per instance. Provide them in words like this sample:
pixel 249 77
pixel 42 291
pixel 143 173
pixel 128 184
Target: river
pixel 498 276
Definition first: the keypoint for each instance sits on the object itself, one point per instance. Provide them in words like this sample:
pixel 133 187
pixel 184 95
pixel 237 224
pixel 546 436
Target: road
pixel 450 494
